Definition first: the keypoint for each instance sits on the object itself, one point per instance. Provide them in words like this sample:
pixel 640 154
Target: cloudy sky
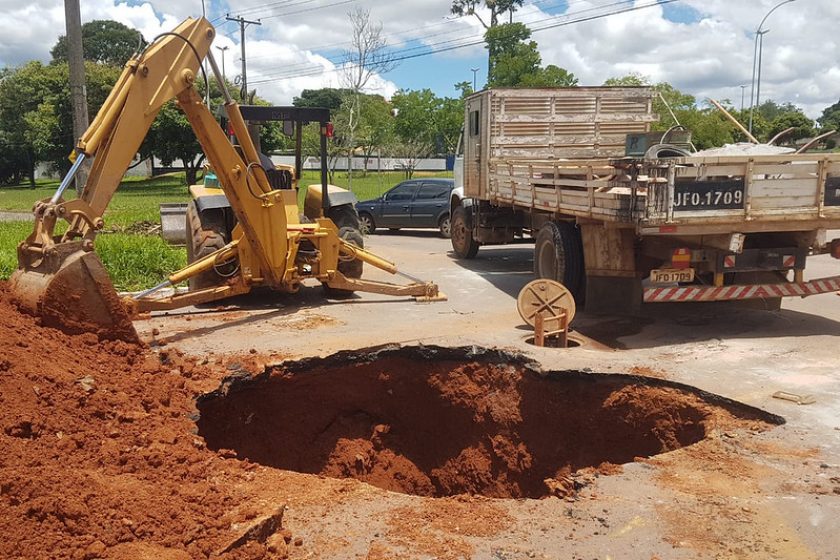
pixel 704 47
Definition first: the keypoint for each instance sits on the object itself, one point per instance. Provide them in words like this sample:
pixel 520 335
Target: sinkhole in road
pixel 435 421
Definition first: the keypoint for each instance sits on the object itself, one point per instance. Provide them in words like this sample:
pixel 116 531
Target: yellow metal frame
pixel 266 240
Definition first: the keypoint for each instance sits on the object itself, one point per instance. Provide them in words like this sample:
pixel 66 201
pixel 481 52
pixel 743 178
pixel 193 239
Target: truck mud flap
pixel 740 292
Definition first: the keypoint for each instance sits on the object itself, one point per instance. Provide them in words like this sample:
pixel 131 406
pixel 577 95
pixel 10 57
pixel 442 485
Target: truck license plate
pixel 671 275
pixel 708 195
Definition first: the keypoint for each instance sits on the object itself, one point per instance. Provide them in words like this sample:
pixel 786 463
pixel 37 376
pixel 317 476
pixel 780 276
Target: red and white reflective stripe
pixel 752 291
pixel 788 261
pixel 729 261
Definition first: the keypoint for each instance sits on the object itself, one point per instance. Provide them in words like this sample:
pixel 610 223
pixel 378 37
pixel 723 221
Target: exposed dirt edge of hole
pixel 242 380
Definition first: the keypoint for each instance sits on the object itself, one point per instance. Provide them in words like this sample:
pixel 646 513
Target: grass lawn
pixel 137 261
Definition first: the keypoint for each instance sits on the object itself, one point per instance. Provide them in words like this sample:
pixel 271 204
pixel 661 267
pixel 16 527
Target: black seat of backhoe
pixel 277 178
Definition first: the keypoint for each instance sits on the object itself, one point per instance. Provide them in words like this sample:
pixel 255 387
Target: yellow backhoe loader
pixel 62 280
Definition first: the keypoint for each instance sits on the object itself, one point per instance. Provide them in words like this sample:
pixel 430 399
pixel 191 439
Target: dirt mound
pixel 440 427
pixel 98 459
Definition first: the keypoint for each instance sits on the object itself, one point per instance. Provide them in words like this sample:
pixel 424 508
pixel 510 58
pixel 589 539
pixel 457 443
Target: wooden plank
pixel 782 188
pixel 630 93
pixel 576 118
pixel 703 171
pixel 771 159
pixel 795 169
pixel 571 140
pixel 765 203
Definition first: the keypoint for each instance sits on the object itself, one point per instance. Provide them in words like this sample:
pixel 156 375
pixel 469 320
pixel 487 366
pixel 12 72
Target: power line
pixel 292 69
pixel 472 41
pixel 406 38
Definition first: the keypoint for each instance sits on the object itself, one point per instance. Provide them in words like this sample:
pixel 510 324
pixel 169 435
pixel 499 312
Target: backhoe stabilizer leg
pixel 424 292
pixel 179 300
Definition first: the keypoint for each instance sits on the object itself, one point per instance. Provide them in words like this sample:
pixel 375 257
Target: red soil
pixel 98 454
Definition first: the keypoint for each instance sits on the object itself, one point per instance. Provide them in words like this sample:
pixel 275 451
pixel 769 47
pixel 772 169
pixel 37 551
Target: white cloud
pixel 711 57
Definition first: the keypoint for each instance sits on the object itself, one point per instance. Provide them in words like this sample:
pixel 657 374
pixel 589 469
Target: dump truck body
pixel 550 164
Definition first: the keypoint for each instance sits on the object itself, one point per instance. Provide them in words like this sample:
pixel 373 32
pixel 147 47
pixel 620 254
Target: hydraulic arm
pixel 61 279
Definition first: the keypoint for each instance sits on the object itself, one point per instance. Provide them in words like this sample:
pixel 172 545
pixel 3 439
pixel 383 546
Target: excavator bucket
pixel 69 289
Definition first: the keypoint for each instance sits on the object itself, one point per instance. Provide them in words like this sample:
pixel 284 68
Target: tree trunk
pixel 191 174
pixel 31 168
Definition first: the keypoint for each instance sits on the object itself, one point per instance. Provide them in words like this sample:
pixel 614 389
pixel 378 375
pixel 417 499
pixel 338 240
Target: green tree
pixel 415 114
pixel 515 60
pixel 376 126
pixel 35 108
pixel 465 88
pixel 830 118
pixel 496 8
pixel 104 42
pixel 550 76
pixel 803 127
pixel 449 120
pixel 414 125
pixel 328 98
pixel 171 138
pixel 511 55
pixel 19 95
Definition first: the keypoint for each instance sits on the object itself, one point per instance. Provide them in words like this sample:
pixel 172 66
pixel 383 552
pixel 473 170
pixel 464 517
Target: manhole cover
pixel 445 421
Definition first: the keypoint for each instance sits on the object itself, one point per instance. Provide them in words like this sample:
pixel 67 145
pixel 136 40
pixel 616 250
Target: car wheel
pixel 366 223
pixel 445 227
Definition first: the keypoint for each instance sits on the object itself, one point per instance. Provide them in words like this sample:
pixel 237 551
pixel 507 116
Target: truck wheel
pixel 463 244
pixel 558 255
pixel 207 233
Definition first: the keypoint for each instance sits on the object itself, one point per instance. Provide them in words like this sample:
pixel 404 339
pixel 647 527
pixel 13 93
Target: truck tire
pixel 558 255
pixel 207 232
pixel 463 243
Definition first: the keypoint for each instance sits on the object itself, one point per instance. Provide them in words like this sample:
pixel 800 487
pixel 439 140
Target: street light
pixel 474 70
pixel 223 49
pixel 757 58
pixel 743 88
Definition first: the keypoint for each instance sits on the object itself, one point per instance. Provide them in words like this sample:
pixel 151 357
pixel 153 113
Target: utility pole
pixel 223 49
pixel 78 95
pixel 474 70
pixel 243 23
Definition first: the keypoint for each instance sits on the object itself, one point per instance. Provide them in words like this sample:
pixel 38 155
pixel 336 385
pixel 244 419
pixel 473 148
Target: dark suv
pixel 417 203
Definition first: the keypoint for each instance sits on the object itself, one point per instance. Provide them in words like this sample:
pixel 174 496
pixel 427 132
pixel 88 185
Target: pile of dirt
pixel 443 427
pixel 99 454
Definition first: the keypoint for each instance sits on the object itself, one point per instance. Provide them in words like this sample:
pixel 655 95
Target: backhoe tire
pixel 558 255
pixel 207 233
pixel 350 269
pixel 460 228
pixel 344 216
